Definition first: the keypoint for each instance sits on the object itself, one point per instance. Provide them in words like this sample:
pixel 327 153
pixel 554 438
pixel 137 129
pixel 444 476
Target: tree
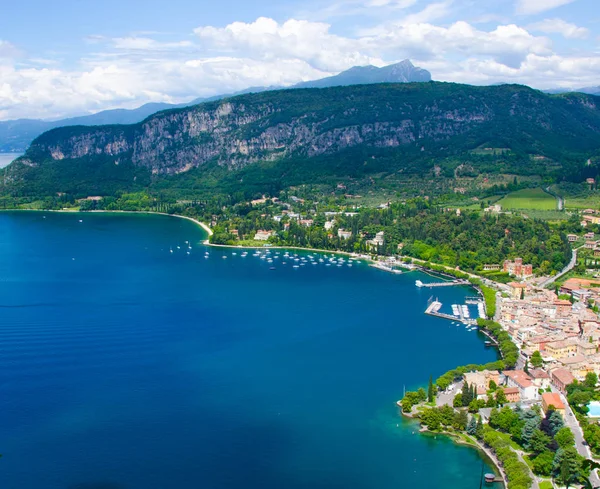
pixel 539 442
pixel 529 428
pixel 422 394
pixel 591 379
pixel 466 394
pixel 430 391
pixel 564 437
pixel 472 426
pixel 567 466
pixel 501 397
pixel 457 402
pixel 479 429
pixel 461 420
pixel 493 386
pixel 542 464
pixel 536 359
pixel 555 422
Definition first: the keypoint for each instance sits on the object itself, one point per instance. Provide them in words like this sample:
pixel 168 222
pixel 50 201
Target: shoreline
pixel 367 259
pixel 484 453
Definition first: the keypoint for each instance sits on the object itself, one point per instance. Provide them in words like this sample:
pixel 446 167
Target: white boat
pixel 418 283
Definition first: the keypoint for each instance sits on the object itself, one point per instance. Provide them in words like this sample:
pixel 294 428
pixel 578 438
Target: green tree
pixel 567 466
pixel 539 442
pixel 457 402
pixel 536 359
pixel 430 391
pixel 529 428
pixel 591 379
pixel 564 437
pixel 422 394
pixel 461 420
pixel 501 397
pixel 542 464
pixel 472 426
pixel 479 429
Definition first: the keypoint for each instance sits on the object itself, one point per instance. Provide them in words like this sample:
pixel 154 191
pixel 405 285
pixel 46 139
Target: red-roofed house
pixel 512 394
pixel 519 379
pixel 561 378
pixel 552 399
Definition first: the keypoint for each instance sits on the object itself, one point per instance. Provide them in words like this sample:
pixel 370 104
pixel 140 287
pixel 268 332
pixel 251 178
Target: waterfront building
pixel 344 234
pixel 262 235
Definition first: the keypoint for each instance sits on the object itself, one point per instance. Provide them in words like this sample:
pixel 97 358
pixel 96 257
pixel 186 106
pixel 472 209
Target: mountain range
pixel 16 135
pixel 279 138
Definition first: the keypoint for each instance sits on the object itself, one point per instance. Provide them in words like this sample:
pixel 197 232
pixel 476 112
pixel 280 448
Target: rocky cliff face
pixel 309 123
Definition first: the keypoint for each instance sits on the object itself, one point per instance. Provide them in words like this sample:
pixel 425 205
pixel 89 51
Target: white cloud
pixel 529 7
pixel 145 43
pixel 559 26
pixel 266 39
pixel 130 70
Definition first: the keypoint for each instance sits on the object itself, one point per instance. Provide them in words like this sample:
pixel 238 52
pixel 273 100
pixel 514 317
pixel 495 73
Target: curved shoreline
pixel 484 453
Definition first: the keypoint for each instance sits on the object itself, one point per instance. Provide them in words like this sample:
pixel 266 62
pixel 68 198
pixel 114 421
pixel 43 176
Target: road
pixel 568 268
pixel 582 447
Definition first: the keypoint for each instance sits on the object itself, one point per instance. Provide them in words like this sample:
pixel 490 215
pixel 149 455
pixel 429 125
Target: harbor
pixel 460 313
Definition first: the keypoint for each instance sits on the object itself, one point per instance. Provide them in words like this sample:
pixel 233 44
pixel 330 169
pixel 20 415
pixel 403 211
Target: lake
pixel 6 158
pixel 130 359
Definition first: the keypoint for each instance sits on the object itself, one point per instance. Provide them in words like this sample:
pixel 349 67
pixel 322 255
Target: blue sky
pixel 63 58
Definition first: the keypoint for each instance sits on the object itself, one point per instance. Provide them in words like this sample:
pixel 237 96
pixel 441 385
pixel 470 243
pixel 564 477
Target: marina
pixel 460 313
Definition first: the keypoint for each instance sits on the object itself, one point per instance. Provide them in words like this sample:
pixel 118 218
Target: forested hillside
pixel 268 141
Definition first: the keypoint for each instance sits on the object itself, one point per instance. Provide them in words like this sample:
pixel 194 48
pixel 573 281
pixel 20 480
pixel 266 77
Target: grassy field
pixel 529 198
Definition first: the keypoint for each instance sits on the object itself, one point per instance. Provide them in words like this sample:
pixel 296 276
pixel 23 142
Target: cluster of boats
pixel 273 257
pixel 469 327
pixel 461 311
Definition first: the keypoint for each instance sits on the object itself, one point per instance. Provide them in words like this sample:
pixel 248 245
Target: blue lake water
pixel 125 366
pixel 6 158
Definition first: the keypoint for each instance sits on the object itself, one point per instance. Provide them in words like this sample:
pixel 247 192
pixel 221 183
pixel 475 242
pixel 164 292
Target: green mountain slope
pixel 274 139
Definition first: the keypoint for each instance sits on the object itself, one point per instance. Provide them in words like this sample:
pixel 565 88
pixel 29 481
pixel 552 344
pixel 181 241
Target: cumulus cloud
pixel 133 69
pixel 559 26
pixel 529 7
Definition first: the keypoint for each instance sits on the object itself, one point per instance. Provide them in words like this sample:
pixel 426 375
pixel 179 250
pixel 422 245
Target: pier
pixel 386 268
pixel 450 283
pixel 433 309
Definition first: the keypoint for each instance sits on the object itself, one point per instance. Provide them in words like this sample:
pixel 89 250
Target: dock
pixel 433 309
pixel 386 268
pixel 449 283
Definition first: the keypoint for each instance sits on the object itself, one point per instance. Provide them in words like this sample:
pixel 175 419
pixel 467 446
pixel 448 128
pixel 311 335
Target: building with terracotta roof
pixel 561 378
pixel 512 394
pixel 521 380
pixel 540 378
pixel 553 399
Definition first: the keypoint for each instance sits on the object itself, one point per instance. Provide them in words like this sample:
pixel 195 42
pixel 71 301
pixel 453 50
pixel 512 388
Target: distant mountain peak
pixel 401 72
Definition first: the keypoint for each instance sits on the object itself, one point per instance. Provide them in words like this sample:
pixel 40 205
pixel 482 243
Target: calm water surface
pixel 123 365
pixel 6 158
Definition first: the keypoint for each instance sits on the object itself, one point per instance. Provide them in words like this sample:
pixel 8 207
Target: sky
pixel 71 57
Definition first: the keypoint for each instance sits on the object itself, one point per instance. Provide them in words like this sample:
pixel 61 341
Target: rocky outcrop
pixel 308 123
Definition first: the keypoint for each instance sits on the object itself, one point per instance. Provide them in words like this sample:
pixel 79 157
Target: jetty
pixel 433 309
pixel 449 283
pixel 386 268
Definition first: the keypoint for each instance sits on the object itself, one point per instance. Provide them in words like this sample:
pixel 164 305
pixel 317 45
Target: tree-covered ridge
pixel 268 141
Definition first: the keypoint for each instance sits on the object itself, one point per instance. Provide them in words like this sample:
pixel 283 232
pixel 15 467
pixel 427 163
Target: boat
pixel 418 283
pixel 271 268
